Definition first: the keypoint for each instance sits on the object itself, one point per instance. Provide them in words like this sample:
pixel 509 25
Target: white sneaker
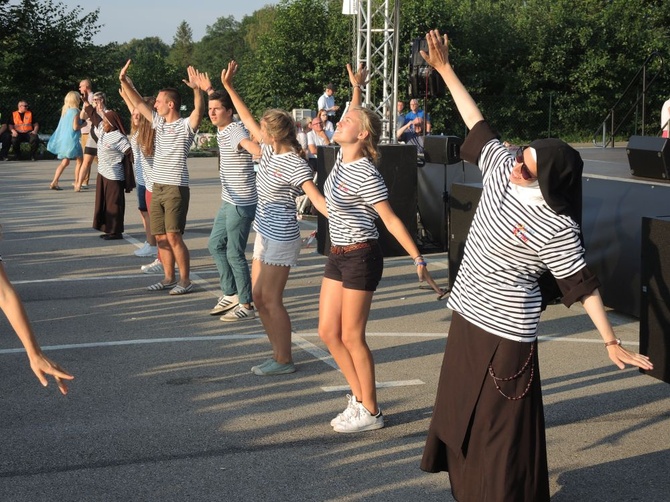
pixel 239 313
pixel 224 304
pixel 360 420
pixel 155 267
pixel 146 250
pixel 351 406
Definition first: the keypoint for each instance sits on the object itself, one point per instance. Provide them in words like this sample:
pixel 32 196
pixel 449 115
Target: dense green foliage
pixel 536 67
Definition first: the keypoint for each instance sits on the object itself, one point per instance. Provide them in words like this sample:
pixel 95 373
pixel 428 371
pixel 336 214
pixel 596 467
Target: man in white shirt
pixel 327 102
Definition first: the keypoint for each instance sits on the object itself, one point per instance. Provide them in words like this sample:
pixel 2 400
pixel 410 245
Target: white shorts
pixel 279 253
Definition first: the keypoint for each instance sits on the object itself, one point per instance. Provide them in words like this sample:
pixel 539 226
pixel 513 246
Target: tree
pixel 40 54
pixel 222 42
pixel 181 54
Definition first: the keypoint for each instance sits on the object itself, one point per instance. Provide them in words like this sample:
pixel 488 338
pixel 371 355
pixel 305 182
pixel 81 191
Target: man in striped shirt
pixel 230 232
pixel 169 204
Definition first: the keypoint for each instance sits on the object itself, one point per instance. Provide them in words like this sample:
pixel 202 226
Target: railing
pixel 602 137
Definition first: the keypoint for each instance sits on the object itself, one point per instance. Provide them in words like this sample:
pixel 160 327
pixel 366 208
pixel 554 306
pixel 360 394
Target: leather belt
pixel 352 247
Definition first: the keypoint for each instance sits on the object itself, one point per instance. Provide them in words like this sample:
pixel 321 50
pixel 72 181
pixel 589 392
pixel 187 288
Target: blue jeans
pixel 227 244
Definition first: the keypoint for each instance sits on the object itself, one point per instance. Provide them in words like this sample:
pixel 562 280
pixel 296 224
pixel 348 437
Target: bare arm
pixel 11 305
pixel 593 304
pixel 358 81
pixel 438 58
pixel 76 121
pixel 198 103
pixel 315 197
pixel 251 146
pixel 246 117
pixel 133 96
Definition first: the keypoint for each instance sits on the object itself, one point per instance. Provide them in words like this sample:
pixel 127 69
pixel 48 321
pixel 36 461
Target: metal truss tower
pixel 377 41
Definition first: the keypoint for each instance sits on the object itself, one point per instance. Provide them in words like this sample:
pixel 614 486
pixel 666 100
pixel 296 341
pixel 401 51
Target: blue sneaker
pixel 273 368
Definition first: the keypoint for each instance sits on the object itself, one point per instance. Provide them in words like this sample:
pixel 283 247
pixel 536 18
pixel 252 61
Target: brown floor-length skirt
pixel 110 205
pixel 494 448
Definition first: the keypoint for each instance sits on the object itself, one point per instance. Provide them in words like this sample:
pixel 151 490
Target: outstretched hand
pixel 227 74
pixel 123 74
pixel 193 78
pixel 43 366
pixel 438 50
pixel 621 356
pixel 204 81
pixel 360 78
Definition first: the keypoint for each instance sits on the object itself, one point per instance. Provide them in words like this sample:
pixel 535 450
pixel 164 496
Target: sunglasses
pixel 525 172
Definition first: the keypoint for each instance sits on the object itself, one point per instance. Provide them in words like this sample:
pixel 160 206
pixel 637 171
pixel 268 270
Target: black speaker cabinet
pixel 423 81
pixel 655 299
pixel 398 168
pixel 462 206
pixel 442 149
pixel 649 157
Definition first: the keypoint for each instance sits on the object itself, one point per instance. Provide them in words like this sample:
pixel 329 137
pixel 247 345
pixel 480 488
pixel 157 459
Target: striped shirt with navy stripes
pixel 278 182
pixel 510 244
pixel 111 148
pixel 236 168
pixel 351 191
pixel 173 141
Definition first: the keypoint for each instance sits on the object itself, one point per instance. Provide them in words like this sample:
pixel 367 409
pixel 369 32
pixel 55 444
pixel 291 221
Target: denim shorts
pixel 142 198
pixel 360 269
pixel 279 253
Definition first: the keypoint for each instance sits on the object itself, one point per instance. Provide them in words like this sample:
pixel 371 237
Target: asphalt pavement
pixel 164 406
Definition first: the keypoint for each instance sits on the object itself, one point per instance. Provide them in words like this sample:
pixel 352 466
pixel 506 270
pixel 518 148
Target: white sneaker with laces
pixel 225 303
pixel 239 313
pixel 155 267
pixel 360 420
pixel 142 250
pixel 351 406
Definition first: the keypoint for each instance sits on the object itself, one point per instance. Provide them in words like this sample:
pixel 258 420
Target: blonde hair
pixel 145 133
pixel 71 100
pixel 371 123
pixel 280 125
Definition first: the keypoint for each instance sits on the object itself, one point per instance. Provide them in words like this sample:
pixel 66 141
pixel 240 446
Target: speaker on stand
pixel 423 81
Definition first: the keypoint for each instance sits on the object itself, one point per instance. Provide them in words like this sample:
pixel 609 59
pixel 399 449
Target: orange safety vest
pixel 25 125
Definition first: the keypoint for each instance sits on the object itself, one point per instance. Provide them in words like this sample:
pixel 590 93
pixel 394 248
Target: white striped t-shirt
pixel 278 182
pixel 351 191
pixel 173 142
pixel 141 164
pixel 510 244
pixel 111 148
pixel 236 169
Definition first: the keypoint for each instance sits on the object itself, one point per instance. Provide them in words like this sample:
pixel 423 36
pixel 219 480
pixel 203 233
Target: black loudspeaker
pixel 649 157
pixel 462 206
pixel 398 168
pixel 442 149
pixel 655 285
pixel 423 81
pixel 325 160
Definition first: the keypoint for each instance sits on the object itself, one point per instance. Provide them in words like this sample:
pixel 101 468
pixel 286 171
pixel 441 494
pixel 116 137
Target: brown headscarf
pixel 113 118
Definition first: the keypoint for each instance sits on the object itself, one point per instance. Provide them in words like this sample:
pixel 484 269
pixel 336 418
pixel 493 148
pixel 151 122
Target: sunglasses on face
pixel 525 172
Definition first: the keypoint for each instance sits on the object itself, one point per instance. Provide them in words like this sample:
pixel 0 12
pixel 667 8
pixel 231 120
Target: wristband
pixel 210 88
pixel 613 342
pixel 419 261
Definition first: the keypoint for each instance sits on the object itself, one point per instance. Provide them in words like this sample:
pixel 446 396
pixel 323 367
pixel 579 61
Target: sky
pixel 124 20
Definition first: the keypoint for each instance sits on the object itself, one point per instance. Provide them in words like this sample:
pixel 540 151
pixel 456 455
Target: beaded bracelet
pixel 419 261
pixel 613 342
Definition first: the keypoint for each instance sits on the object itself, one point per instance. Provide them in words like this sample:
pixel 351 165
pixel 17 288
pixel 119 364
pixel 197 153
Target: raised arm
pixel 126 100
pixel 133 96
pixel 358 81
pixel 438 58
pixel 246 117
pixel 198 103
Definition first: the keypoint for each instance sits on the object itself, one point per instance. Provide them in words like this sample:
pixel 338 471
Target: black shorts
pixel 360 269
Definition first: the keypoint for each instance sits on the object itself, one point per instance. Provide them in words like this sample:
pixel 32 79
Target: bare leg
pixel 84 171
pixel 268 283
pixel 146 223
pixel 166 257
pixel 59 170
pixel 179 253
pixel 343 315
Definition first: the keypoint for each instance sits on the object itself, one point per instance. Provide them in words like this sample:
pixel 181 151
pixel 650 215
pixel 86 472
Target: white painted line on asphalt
pixel 297 339
pixel 105 278
pixel 379 385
